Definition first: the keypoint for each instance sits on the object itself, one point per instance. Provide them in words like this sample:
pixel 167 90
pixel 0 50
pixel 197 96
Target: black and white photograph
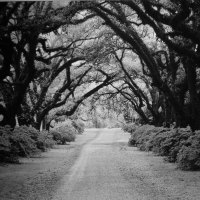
pixel 100 100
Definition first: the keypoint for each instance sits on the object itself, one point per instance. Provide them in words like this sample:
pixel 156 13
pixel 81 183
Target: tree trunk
pixel 194 99
pixel 8 118
pixel 16 120
pixel 41 126
pixel 48 125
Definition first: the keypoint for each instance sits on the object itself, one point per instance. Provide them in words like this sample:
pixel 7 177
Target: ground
pixel 98 166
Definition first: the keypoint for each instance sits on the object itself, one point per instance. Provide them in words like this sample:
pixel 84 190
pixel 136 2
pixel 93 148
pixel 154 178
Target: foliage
pixel 6 155
pixel 23 141
pixel 167 61
pixel 168 142
pixel 79 126
pixel 154 56
pixel 63 137
pixel 178 145
pixel 45 141
pixel 130 127
pixel 64 132
pixel 189 154
pixel 43 71
pixel 140 136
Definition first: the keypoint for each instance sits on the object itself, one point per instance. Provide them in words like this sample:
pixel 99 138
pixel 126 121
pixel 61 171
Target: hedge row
pixel 179 145
pixel 23 141
pixel 66 131
pixel 130 128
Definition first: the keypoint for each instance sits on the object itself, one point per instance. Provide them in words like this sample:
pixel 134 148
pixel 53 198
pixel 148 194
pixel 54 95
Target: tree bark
pixel 194 99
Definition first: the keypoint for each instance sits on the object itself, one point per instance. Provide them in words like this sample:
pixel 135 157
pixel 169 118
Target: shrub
pixel 23 141
pixel 141 136
pixel 45 141
pixel 177 145
pixel 57 137
pixel 189 154
pixel 62 137
pixel 64 133
pixel 15 143
pixel 33 139
pixel 155 139
pixel 130 128
pixel 5 145
pixel 68 129
pixel 145 139
pixel 160 140
pixel 175 138
pixel 34 133
pixel 79 126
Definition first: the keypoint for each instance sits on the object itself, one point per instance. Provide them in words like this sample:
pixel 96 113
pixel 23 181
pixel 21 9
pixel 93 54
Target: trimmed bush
pixel 188 157
pixel 142 135
pixel 130 128
pixel 64 133
pixel 45 141
pixel 34 139
pixel 6 155
pixel 170 146
pixel 178 145
pixel 62 137
pixel 23 141
pixel 79 126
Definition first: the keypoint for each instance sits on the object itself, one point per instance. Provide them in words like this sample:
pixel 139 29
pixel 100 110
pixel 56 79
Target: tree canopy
pixel 146 52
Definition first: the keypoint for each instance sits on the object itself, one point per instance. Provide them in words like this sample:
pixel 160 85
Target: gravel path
pixel 98 166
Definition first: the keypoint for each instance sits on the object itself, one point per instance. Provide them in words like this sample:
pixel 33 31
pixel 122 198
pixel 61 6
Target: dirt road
pixel 96 173
pixel 98 166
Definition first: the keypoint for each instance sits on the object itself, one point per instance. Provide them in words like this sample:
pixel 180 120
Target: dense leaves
pixel 176 145
pixel 22 142
pixel 65 132
pixel 170 58
pixel 145 52
pixel 44 46
pixel 159 40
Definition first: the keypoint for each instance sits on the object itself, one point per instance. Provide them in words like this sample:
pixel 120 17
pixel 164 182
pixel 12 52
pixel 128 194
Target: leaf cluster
pixel 23 141
pixel 176 145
